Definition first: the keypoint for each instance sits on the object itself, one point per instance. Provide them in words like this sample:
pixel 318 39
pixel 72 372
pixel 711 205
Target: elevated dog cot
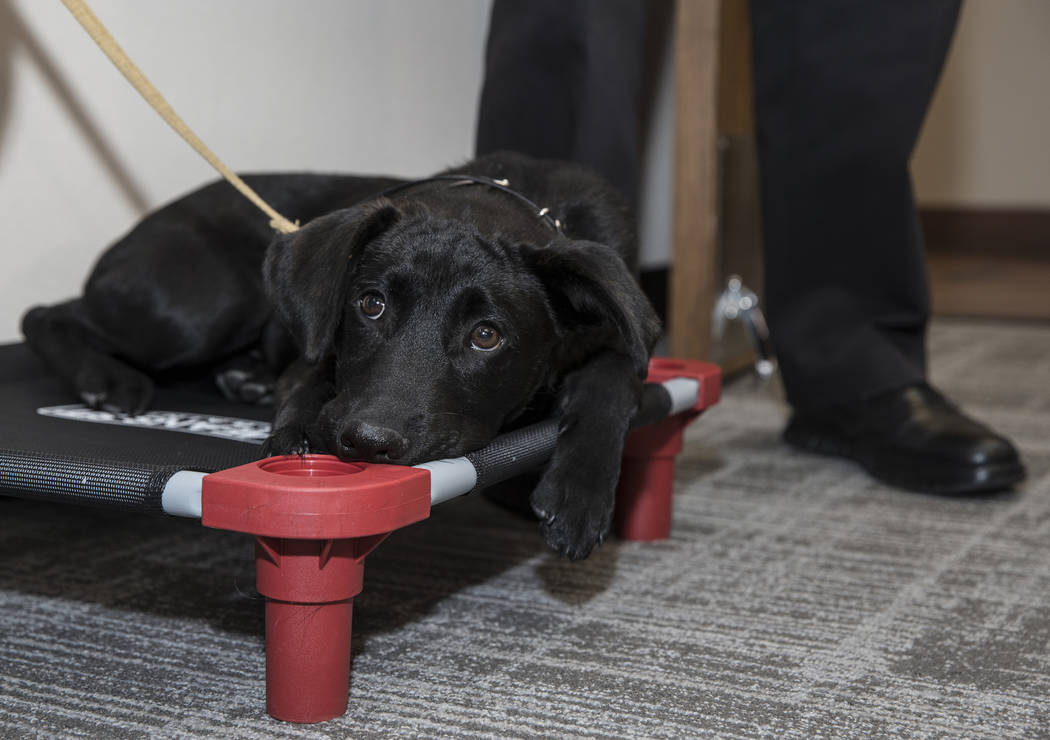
pixel 314 518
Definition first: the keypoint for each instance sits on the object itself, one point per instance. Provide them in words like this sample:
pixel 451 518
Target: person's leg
pixel 841 89
pixel 563 81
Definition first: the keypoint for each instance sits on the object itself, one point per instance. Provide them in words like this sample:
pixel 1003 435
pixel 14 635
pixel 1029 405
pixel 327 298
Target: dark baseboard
pixel 982 262
pixel 988 262
pixel 1014 233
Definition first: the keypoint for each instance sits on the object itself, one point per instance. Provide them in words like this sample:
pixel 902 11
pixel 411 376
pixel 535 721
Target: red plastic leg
pixel 315 520
pixel 643 497
pixel 309 586
pixel 307 660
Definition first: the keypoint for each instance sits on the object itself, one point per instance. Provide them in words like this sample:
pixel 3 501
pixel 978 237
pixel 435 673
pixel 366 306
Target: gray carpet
pixel 796 598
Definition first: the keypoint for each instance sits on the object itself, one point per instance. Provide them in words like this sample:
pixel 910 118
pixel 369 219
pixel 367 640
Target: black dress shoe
pixel 912 438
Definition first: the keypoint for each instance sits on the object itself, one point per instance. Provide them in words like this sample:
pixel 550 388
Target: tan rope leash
pixel 134 75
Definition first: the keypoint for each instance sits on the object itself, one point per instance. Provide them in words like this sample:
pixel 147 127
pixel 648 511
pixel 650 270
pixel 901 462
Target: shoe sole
pixel 939 480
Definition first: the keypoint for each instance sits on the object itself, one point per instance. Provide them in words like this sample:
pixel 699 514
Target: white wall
pixel 985 141
pixel 342 85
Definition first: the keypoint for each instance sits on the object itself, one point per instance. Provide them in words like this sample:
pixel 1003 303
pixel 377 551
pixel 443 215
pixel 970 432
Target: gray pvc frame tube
pixel 449 478
pixel 182 494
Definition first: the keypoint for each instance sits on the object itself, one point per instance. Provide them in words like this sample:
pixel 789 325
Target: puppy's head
pixel 438 335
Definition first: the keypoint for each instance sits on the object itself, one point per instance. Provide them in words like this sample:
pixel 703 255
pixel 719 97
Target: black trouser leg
pixel 841 89
pixel 563 80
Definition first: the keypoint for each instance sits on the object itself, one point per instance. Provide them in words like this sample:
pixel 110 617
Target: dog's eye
pixel 485 337
pixel 372 305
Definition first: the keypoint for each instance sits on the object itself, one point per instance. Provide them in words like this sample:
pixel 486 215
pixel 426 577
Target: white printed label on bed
pixel 225 427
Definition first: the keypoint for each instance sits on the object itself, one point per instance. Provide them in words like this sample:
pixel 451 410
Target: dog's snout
pixel 360 440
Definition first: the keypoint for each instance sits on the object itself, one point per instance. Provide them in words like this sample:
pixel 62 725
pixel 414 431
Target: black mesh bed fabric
pixel 57 455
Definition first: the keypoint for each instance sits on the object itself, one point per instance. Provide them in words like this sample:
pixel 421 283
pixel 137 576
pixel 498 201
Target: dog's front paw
pixel 288 440
pixel 575 506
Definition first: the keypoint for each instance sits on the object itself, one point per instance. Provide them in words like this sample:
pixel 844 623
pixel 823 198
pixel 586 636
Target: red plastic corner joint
pixel 643 496
pixel 315 497
pixel 708 375
pixel 315 519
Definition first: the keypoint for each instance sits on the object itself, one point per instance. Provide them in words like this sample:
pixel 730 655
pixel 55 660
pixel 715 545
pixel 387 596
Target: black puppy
pixel 407 321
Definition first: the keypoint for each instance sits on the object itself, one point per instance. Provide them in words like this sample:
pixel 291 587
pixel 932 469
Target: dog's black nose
pixel 360 440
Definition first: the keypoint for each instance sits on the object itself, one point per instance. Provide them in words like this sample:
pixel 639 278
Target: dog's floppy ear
pixel 305 272
pixel 596 301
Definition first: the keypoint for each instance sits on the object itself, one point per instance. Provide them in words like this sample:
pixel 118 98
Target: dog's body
pixel 397 325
